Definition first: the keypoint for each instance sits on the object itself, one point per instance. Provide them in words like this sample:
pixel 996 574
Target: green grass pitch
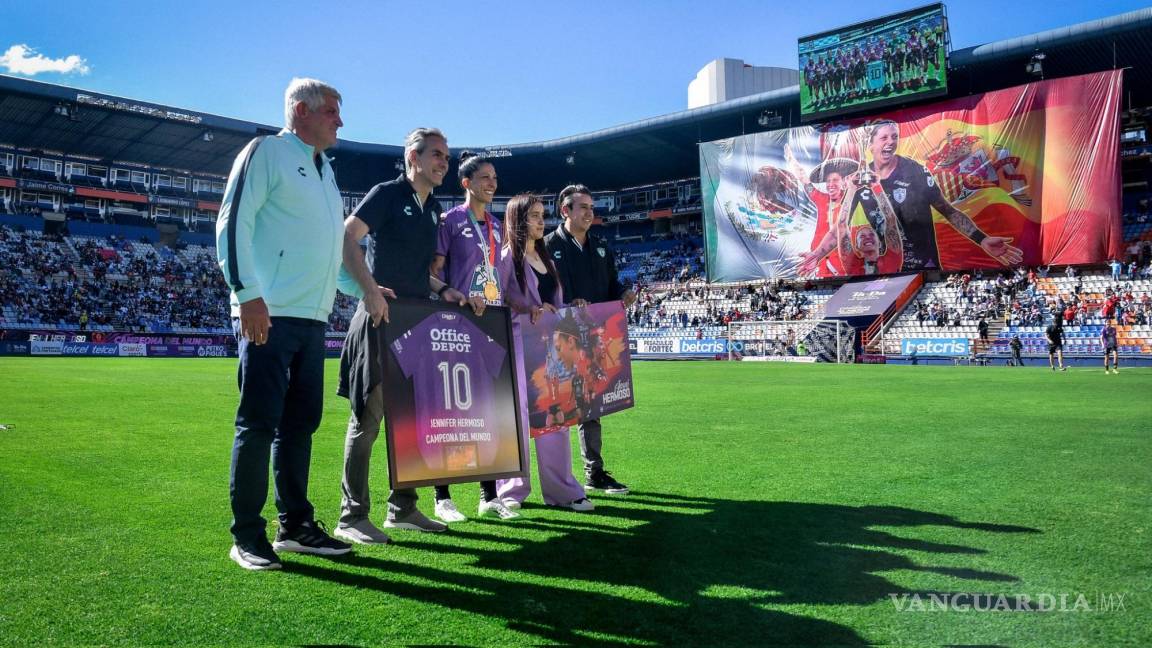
pixel 772 504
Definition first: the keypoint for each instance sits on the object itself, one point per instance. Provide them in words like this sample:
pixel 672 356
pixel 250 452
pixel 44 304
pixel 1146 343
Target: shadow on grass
pixel 686 571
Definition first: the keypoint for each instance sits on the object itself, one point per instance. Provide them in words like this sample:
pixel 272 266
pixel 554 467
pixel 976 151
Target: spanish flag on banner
pixel 1037 163
pixel 1022 176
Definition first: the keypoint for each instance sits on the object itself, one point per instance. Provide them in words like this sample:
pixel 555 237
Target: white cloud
pixel 21 59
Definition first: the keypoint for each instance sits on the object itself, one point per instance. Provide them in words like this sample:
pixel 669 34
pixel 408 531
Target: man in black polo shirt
pixel 401 219
pixel 587 269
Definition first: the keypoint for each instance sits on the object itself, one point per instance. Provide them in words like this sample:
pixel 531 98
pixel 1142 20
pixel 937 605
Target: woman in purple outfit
pixel 533 288
pixel 468 259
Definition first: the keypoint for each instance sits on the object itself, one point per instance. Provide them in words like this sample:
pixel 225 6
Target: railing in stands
pixel 872 339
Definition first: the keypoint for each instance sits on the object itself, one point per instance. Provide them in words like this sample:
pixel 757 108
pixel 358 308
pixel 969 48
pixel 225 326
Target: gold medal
pixel 491 292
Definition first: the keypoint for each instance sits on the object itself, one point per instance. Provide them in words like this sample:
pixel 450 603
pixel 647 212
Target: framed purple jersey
pixel 450 396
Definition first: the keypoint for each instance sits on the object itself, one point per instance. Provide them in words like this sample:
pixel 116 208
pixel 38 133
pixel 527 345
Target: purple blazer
pixel 528 298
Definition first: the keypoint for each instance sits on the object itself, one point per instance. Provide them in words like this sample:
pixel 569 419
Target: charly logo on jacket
pixel 302 172
pixel 557 254
pixel 602 252
pixel 408 210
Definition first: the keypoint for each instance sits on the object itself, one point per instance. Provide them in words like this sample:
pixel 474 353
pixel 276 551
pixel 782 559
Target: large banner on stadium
pixel 578 365
pixel 1026 175
pixel 450 397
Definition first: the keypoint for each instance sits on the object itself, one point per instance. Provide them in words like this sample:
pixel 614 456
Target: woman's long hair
pixel 516 236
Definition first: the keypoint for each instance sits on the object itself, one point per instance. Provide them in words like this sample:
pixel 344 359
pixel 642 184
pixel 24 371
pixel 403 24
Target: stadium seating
pixel 85 180
pixel 116 284
pixel 699 310
pixel 952 310
pixel 38 174
pixel 657 260
pixel 1025 307
pixel 134 283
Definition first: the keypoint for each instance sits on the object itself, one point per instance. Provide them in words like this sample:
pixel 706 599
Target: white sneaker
pixel 583 505
pixel 497 508
pixel 512 504
pixel 446 510
pixel 363 532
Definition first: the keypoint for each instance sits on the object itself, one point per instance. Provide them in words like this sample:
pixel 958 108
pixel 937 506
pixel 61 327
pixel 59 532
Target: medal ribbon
pixel 489 248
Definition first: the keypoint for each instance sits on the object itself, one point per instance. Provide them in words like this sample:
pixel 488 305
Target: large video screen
pixel 1021 176
pixel 881 62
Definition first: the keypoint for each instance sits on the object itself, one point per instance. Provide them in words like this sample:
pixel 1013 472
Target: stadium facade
pixel 85 157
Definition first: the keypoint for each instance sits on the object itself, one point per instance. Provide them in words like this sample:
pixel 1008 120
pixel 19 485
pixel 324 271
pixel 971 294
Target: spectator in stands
pixel 587 269
pixel 402 218
pixel 982 329
pixel 280 326
pixel 1116 268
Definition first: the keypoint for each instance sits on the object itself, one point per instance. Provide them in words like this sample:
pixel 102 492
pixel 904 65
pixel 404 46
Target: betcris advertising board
pixel 679 347
pixel 935 346
pixel 705 347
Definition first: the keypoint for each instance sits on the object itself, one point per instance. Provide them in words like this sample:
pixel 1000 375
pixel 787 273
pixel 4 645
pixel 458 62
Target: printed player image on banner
pixel 578 366
pixel 450 395
pixel 1027 175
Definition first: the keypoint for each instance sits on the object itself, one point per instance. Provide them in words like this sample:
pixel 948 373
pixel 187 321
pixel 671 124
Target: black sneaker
pixel 256 556
pixel 310 538
pixel 602 480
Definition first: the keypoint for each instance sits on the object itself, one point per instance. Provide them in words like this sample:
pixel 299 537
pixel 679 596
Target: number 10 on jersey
pixel 452 395
pixel 457 385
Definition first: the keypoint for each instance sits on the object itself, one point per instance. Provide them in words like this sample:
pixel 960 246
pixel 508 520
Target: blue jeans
pixel 281 401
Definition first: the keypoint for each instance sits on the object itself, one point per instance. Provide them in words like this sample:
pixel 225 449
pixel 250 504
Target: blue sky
pixel 497 72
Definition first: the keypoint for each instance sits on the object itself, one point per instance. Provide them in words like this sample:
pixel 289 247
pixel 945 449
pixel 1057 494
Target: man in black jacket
pixel 587 269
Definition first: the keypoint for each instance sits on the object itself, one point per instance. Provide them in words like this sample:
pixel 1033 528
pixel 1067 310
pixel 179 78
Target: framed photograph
pixel 452 411
pixel 578 366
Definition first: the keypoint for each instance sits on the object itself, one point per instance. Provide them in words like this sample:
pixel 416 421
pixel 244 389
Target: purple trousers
pixel 554 470
pixel 553 453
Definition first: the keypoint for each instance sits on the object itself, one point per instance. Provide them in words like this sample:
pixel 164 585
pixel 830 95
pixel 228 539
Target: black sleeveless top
pixel 547 285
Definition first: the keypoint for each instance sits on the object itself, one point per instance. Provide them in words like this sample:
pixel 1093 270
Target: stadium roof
pixel 70 121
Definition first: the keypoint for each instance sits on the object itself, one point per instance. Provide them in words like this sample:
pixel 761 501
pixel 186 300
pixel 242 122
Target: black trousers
pixel 281 401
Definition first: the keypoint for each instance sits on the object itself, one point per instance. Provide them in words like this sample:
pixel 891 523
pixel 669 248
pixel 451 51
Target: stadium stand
pixel 697 309
pixel 99 283
pixel 134 251
pixel 1024 304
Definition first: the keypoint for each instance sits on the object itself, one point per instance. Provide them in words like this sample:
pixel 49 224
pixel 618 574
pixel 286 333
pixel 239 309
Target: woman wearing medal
pixel 468 259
